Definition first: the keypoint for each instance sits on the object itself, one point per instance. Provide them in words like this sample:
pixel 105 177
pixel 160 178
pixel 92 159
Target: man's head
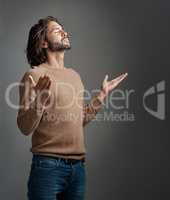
pixel 47 35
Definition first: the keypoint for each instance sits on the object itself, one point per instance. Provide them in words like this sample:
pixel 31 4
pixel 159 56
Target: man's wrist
pixel 37 106
pixel 101 96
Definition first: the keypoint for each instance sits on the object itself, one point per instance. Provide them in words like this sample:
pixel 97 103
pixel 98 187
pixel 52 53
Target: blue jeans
pixel 53 179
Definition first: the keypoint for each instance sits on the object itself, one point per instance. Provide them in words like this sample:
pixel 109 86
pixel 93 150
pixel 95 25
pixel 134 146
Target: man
pixel 52 108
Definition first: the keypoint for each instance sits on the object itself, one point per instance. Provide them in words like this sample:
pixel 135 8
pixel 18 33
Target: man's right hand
pixel 42 88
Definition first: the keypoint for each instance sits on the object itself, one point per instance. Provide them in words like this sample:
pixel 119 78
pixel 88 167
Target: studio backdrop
pixel 127 143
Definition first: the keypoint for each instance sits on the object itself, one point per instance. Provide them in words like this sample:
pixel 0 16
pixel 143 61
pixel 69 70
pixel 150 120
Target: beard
pixel 58 46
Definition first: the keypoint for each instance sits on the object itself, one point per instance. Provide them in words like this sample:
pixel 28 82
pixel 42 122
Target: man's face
pixel 57 38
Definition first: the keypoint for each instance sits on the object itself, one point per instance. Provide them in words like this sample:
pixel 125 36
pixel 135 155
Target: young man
pixel 52 108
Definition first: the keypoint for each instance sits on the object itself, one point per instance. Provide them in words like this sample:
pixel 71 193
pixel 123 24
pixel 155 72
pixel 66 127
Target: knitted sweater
pixel 58 127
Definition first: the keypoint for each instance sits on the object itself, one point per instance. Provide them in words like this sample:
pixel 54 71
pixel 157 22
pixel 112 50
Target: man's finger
pixel 115 83
pixel 119 78
pixel 32 80
pixel 123 77
pixel 105 79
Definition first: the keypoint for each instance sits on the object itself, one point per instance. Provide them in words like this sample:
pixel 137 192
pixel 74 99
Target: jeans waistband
pixel 65 160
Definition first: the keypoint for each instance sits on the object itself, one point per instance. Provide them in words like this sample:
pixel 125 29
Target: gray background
pixel 125 160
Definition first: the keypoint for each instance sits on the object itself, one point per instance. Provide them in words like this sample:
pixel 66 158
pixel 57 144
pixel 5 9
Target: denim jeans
pixel 53 179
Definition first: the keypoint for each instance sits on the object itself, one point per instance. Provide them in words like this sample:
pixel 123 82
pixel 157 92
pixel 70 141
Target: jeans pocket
pixel 44 163
pixel 83 164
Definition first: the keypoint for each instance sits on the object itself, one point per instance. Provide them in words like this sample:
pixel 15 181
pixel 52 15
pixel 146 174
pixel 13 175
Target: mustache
pixel 64 38
pixel 68 35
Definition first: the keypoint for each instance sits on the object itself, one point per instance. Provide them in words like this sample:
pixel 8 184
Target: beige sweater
pixel 57 128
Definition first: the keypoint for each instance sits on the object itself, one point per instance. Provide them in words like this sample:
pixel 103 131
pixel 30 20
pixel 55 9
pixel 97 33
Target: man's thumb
pixel 32 80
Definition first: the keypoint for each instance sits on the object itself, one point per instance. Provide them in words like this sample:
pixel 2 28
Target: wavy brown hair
pixel 35 54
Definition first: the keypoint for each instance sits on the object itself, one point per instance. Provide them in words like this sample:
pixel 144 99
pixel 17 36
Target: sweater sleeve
pixel 91 109
pixel 29 111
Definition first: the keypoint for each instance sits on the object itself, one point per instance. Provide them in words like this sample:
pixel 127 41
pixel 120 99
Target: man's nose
pixel 64 34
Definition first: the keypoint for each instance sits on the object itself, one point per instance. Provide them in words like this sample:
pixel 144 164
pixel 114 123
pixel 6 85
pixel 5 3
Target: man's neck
pixel 55 60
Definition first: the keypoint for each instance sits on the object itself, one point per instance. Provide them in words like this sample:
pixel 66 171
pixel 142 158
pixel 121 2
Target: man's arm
pixel 91 109
pixel 29 112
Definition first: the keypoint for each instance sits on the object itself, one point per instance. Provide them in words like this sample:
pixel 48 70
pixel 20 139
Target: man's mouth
pixel 64 38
